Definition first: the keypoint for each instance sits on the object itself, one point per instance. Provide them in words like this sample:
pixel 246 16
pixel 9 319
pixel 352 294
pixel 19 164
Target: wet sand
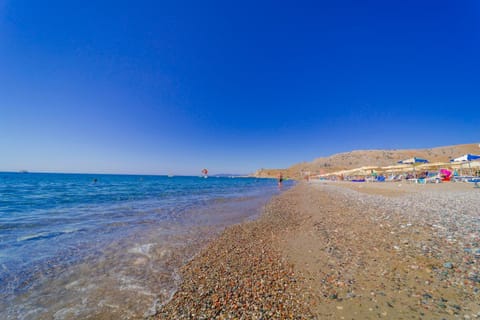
pixel 343 251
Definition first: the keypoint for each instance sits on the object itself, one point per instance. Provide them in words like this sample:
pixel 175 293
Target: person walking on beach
pixel 280 181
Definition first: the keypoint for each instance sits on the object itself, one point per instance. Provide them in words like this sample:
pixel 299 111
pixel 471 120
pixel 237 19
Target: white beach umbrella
pixel 466 158
pixel 413 161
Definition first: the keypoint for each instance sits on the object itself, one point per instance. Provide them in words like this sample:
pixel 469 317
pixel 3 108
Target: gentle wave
pixel 39 236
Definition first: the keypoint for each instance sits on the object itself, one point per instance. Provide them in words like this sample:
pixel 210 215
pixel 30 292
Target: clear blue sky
pixel 175 86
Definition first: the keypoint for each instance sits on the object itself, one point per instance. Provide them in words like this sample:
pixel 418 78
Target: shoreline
pixel 342 251
pixel 112 250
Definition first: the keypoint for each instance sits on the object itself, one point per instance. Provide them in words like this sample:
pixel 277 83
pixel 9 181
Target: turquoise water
pixel 80 245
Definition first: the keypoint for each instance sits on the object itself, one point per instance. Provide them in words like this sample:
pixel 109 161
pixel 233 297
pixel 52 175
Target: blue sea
pixel 109 246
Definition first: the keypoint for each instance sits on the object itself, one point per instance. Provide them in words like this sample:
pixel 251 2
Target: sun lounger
pixel 476 181
pixel 433 178
pixel 414 180
pixel 394 178
pixel 463 178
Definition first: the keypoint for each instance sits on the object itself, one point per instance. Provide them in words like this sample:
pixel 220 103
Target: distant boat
pixel 170 175
pixel 205 173
pixel 23 171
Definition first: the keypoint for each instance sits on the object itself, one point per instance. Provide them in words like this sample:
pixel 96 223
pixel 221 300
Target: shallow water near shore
pixel 75 247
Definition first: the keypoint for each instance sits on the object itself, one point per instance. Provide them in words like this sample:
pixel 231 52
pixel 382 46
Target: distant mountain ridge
pixel 379 158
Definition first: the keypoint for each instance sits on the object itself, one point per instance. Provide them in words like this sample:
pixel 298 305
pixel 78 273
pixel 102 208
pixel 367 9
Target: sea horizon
pixel 239 175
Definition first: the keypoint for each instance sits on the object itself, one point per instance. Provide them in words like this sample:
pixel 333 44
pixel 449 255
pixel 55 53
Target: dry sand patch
pixel 362 262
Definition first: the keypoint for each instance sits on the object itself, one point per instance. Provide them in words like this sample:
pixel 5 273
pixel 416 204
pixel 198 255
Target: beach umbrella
pixel 467 158
pixel 445 172
pixel 413 161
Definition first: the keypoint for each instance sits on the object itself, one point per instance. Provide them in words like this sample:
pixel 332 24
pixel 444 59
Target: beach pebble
pixel 405 252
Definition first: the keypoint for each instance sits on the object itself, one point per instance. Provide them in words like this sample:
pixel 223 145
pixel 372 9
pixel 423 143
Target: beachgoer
pixel 280 180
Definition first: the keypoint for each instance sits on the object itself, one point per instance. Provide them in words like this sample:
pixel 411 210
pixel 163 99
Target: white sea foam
pixel 142 249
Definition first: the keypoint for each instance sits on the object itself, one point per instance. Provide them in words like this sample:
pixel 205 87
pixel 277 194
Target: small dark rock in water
pixel 448 265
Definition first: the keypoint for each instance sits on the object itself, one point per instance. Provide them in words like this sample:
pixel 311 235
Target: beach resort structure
pixel 419 172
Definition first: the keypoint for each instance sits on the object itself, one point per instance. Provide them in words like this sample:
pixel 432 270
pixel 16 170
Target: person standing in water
pixel 280 181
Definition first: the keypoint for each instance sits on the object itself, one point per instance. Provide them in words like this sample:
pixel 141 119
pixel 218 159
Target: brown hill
pixel 379 158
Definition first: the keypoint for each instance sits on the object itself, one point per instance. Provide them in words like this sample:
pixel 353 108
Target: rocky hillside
pixel 360 158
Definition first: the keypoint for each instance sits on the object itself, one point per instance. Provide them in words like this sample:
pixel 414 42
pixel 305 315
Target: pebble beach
pixel 342 251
